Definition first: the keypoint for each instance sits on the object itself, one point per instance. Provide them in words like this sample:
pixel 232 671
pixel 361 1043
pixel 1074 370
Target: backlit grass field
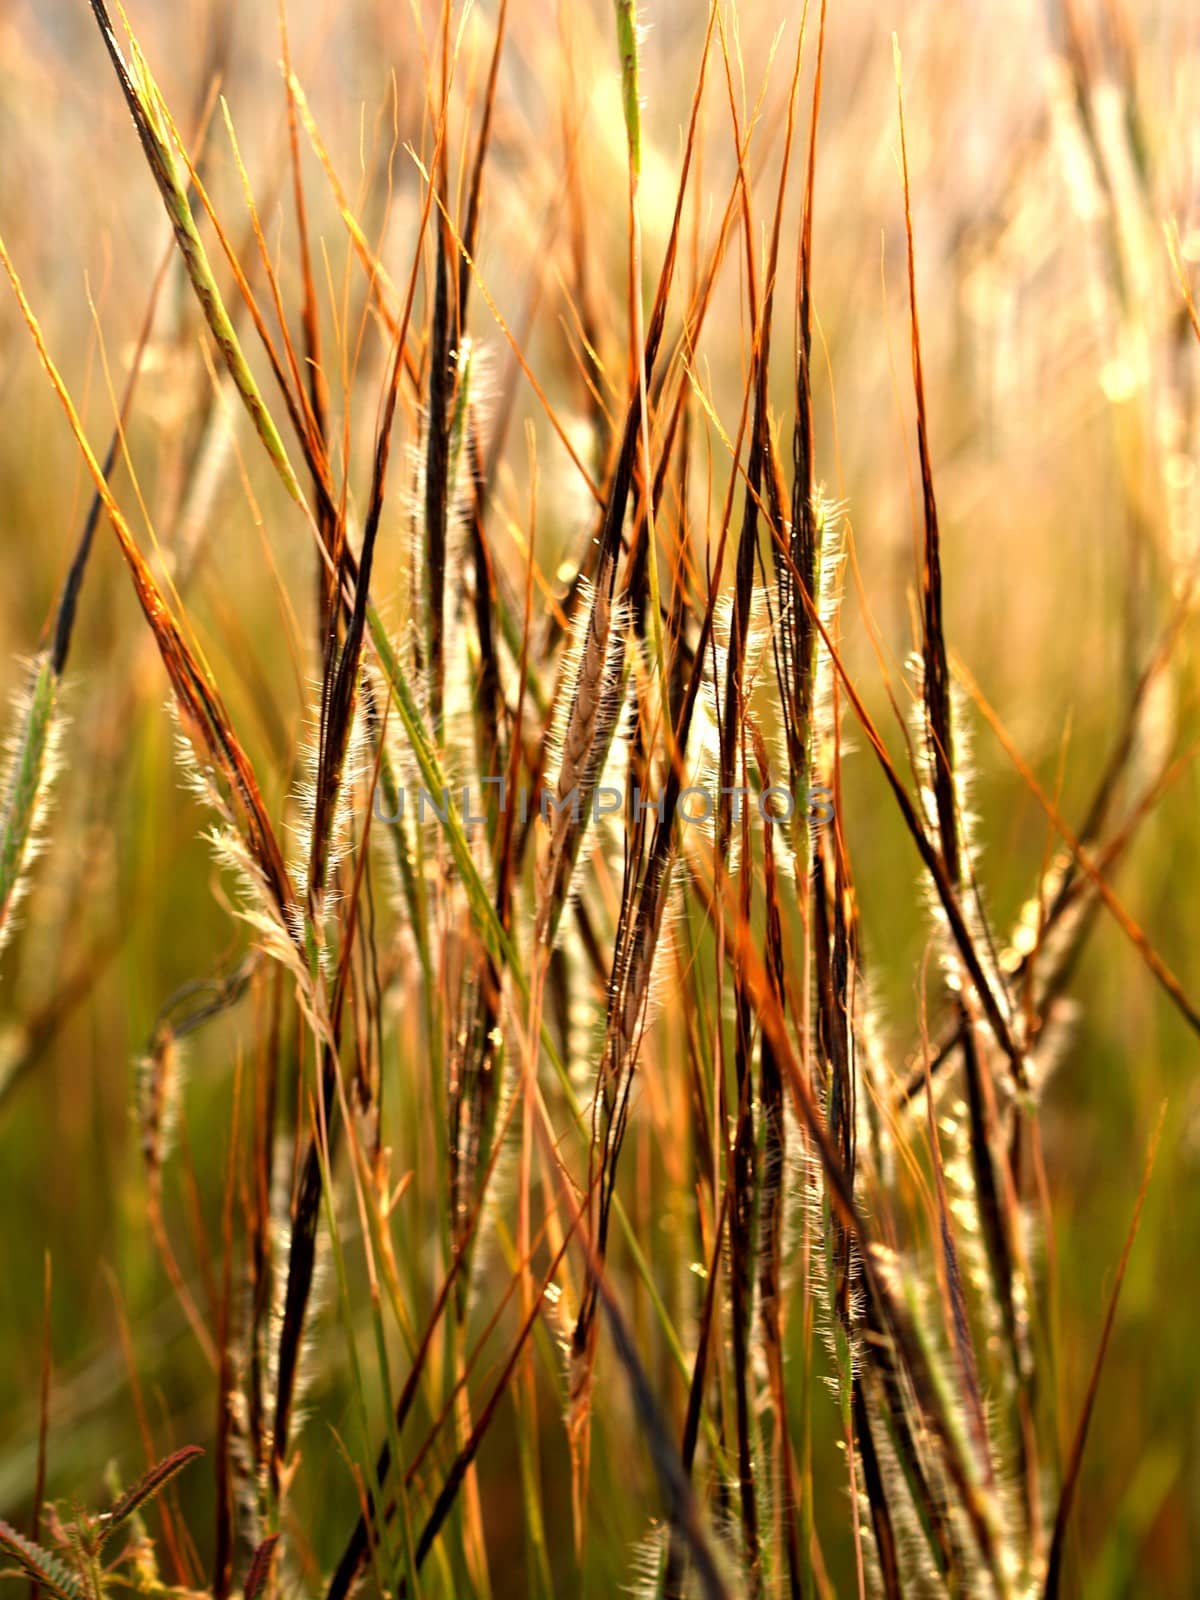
pixel 598 981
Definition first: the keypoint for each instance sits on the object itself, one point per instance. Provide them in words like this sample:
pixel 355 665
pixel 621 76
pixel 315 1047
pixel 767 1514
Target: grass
pixel 630 1027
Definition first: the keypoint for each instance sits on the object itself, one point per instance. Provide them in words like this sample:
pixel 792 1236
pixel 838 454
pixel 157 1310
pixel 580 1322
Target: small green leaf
pixel 46 1569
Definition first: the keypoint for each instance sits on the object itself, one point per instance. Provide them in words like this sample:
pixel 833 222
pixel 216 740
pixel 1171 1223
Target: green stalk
pixel 157 133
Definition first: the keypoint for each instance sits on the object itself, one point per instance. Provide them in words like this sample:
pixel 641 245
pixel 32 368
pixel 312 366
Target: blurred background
pixel 1049 145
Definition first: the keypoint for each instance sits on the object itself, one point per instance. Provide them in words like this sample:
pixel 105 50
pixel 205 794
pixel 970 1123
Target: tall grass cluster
pixel 737 1135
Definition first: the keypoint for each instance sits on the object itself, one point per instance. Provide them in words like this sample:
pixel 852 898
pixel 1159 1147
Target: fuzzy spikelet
pixel 963 837
pixel 596 843
pixel 243 1468
pixel 280 935
pixel 159 1084
pixel 588 671
pixel 594 669
pixel 33 751
pixel 491 1188
pixel 830 565
pixel 305 1374
pixel 718 656
pixel 630 993
pixel 646 1564
pixel 355 767
pixel 701 816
